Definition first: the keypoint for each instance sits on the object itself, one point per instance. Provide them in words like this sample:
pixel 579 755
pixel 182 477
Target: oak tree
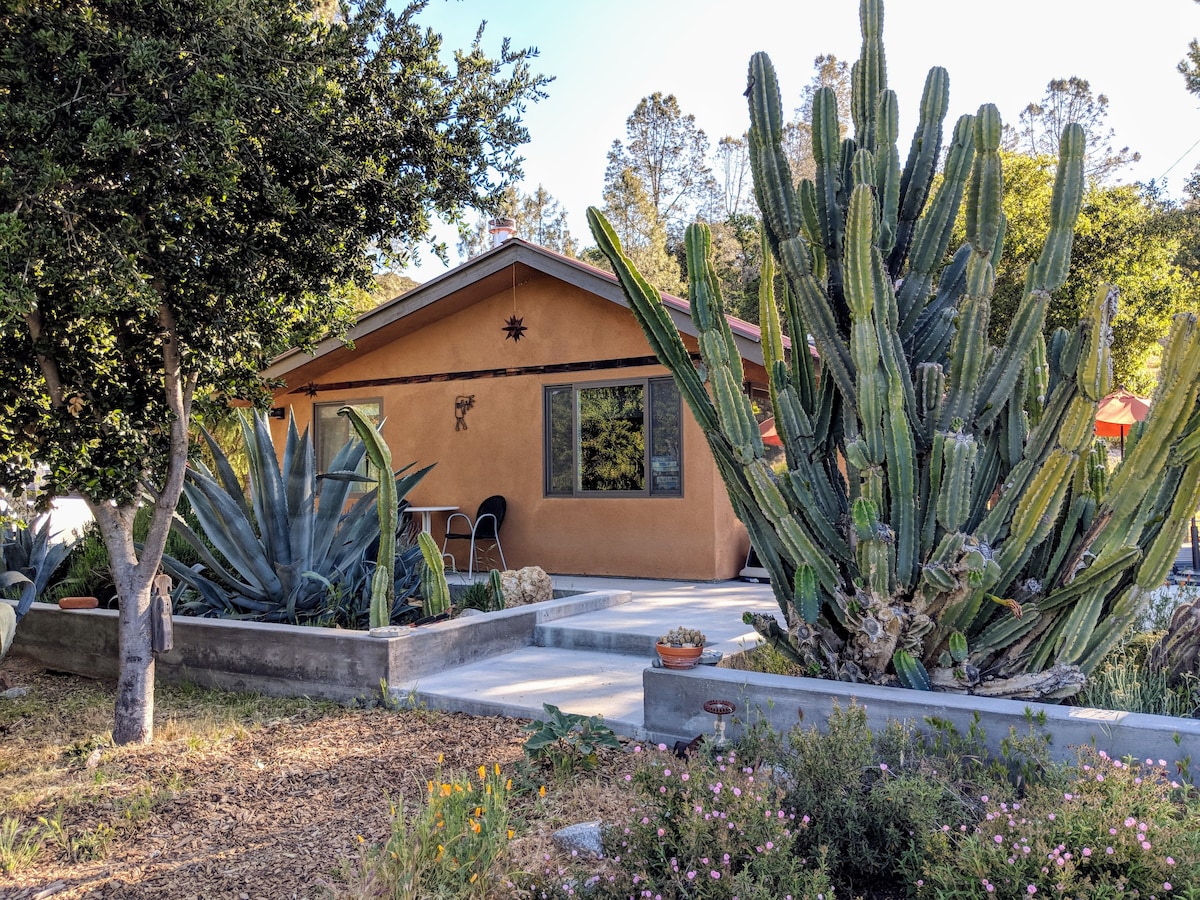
pixel 183 189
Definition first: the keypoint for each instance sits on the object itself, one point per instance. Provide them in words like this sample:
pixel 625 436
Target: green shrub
pixel 568 742
pixel 708 827
pixel 1126 681
pixel 1119 829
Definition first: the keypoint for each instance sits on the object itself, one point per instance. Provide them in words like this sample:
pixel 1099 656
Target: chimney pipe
pixel 501 230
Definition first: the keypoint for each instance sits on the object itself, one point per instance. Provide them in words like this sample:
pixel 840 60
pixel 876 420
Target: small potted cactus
pixel 680 648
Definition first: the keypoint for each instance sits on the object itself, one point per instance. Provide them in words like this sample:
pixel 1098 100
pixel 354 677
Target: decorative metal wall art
pixel 461 405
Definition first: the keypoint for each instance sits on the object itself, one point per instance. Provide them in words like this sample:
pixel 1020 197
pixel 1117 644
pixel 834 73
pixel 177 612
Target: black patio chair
pixel 484 529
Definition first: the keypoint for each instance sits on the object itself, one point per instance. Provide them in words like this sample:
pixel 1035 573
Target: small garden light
pixel 720 709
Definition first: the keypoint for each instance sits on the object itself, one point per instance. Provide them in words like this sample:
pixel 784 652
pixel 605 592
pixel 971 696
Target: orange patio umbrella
pixel 1117 412
pixel 769 435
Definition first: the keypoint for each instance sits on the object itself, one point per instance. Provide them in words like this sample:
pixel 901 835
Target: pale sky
pixel 608 55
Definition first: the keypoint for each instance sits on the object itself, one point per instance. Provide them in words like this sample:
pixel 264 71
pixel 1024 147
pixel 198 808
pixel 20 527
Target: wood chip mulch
pixel 269 810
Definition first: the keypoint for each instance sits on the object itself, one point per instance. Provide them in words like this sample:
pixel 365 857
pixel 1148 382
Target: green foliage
pixel 383 579
pixel 1070 100
pixel 539 217
pixel 19 846
pixel 87 571
pixel 446 847
pixel 966 504
pixel 568 742
pixel 222 222
pixel 187 190
pixel 485 596
pixel 435 592
pixel 711 827
pixel 1126 235
pixel 1118 829
pixel 288 553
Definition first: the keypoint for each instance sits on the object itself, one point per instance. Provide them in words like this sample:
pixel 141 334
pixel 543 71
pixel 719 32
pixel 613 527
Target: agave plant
pixel 291 552
pixel 938 521
pixel 29 557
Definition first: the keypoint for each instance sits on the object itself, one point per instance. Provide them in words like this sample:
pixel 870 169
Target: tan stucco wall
pixel 693 537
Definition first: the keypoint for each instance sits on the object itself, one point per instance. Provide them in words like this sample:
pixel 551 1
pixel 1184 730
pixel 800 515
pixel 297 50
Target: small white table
pixel 427 514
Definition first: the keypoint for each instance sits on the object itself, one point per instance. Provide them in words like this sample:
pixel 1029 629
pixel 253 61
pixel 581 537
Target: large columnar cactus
pixel 939 520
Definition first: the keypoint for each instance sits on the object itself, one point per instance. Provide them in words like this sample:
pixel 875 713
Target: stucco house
pixel 523 373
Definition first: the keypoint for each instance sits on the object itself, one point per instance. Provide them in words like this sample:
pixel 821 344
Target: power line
pixel 1181 158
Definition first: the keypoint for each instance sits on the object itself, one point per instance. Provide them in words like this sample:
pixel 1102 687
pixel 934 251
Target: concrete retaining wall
pixel 291 660
pixel 674 701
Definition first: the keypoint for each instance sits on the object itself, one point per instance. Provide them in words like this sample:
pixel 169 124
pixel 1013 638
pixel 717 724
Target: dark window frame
pixel 647 384
pixel 365 466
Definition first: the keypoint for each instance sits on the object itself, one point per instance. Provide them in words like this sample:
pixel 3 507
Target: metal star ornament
pixel 514 328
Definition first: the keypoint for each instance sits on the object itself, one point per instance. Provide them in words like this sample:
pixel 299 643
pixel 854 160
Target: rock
pixel 584 838
pixel 524 586
pixel 470 611
pixel 14 693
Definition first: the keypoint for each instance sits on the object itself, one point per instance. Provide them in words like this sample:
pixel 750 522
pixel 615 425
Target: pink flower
pixel 1166 885
pixel 1087 851
pixel 999 839
pixel 684 777
pixel 1031 889
pixel 1170 861
pixel 715 874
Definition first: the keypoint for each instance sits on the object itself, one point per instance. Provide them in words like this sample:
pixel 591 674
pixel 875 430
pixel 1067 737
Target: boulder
pixel 524 586
pixel 586 839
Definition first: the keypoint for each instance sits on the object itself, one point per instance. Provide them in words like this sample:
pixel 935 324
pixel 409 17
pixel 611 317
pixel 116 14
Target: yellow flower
pixel 474 875
pixel 474 826
pixel 441 756
pixel 446 790
pixel 496 768
pixel 478 811
pixel 510 834
pixel 482 773
pixel 361 839
pixel 441 850
pixel 508 785
pixel 542 791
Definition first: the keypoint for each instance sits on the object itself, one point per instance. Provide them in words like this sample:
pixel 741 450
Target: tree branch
pixel 179 388
pixel 49 368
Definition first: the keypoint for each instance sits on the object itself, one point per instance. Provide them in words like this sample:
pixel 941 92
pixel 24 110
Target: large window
pixel 621 439
pixel 331 432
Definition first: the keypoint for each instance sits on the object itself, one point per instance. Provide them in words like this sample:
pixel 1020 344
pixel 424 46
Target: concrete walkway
pixel 592 663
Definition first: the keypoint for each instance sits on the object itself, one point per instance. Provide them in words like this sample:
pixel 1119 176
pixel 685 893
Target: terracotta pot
pixel 78 603
pixel 678 657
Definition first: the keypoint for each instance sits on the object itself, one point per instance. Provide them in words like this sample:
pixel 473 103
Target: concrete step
pixel 634 628
pixel 518 683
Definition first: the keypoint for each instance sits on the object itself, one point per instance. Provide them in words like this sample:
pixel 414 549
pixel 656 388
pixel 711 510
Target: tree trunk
pixel 134 718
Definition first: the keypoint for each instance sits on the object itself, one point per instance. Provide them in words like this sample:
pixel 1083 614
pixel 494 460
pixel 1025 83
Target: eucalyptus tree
pixel 183 188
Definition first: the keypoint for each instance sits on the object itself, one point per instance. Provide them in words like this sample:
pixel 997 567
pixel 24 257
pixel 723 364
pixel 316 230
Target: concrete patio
pixel 593 663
